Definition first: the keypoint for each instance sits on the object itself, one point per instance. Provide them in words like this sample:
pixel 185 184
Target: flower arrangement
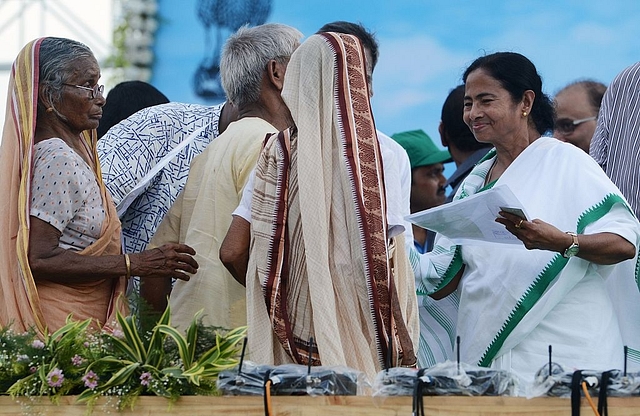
pixel 126 362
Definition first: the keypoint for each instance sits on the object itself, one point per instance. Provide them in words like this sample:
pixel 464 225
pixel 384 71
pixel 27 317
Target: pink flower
pixel 37 344
pixel 77 360
pixel 90 380
pixel 33 369
pixel 55 378
pixel 118 333
pixel 145 378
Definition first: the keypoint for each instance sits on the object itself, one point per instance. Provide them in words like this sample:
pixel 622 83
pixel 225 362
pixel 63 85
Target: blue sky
pixel 426 45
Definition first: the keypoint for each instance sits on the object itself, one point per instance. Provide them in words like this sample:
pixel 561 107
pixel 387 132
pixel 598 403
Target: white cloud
pixel 413 71
pixel 416 59
pixel 594 34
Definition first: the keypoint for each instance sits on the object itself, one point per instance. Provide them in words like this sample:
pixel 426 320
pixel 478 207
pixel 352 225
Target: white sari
pixel 515 302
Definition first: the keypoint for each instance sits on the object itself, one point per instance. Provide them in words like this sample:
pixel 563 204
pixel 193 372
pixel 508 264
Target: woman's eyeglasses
pixel 568 126
pixel 94 91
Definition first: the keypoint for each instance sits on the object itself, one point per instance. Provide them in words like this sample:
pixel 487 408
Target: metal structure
pixel 23 20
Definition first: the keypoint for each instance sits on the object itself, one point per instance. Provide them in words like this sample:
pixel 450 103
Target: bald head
pixel 577 107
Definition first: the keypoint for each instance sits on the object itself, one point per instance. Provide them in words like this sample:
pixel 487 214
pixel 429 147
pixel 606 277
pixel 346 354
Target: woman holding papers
pixel 60 235
pixel 516 300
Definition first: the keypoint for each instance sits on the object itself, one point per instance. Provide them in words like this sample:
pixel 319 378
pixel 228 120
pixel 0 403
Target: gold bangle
pixel 127 262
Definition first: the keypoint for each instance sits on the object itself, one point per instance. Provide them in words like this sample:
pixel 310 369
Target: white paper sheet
pixel 472 220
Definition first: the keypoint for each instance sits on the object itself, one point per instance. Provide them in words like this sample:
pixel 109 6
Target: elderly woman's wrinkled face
pixel 81 106
pixel 489 110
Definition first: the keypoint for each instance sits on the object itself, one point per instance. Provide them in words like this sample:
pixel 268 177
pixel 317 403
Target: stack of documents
pixel 472 220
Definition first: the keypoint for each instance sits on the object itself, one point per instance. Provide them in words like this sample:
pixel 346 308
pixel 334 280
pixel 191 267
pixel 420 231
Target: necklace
pixel 487 179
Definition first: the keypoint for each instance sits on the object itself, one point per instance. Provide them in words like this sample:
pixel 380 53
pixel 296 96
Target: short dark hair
pixel 517 74
pixel 367 38
pixel 125 99
pixel 453 125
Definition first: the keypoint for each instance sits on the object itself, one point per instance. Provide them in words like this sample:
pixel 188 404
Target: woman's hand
pixel 167 261
pixel 599 248
pixel 535 234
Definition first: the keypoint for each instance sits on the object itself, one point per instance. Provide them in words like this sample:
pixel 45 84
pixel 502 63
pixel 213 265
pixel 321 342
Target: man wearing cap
pixel 437 317
pixel 427 179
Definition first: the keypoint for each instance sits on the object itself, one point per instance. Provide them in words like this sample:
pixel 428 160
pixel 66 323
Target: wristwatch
pixel 574 248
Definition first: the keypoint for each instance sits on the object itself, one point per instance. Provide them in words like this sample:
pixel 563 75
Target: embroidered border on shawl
pixel 535 291
pixel 275 286
pixel 364 165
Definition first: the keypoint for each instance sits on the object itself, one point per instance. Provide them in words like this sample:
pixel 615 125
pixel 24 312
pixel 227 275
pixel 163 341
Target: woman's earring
pixel 524 114
pixel 50 110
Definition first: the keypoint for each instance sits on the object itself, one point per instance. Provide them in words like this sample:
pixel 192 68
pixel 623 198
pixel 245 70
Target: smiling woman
pixel 60 250
pixel 515 303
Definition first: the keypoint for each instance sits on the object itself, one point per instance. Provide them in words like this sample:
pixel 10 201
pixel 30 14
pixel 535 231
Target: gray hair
pixel 57 58
pixel 246 54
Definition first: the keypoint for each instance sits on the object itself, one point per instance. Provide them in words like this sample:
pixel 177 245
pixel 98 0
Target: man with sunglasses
pixel 577 107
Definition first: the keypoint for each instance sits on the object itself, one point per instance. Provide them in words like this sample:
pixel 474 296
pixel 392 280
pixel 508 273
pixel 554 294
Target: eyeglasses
pixel 568 126
pixel 95 90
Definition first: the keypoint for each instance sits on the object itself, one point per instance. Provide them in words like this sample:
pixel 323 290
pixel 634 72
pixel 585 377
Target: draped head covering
pixel 325 282
pixel 20 304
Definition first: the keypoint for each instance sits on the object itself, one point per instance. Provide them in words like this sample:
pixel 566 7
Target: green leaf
pixel 181 342
pixel 192 337
pixel 127 349
pixel 119 378
pixel 132 336
pixel 173 372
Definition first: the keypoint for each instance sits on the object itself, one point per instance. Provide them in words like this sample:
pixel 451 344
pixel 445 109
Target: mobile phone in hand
pixel 515 211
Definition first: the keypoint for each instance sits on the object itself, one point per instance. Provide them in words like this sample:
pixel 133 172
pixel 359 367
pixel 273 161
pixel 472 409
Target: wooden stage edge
pixel 316 406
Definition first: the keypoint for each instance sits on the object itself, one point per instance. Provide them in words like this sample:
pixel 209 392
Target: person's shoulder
pixel 247 129
pixel 161 114
pixel 54 152
pixel 173 110
pixel 633 69
pixel 388 143
pixel 154 123
pixel 52 148
pixel 386 140
pixel 562 150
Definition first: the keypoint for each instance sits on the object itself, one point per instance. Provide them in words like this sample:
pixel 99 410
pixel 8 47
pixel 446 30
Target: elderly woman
pixel 515 302
pixel 60 241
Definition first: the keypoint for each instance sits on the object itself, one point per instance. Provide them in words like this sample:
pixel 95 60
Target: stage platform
pixel 317 406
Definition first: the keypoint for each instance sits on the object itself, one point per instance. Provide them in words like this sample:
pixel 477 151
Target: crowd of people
pixel 285 208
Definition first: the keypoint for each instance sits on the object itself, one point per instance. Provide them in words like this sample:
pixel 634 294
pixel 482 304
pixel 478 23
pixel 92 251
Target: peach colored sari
pixel 23 302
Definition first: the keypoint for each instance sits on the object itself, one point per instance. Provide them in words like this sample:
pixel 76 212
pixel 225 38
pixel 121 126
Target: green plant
pixel 52 366
pixel 147 364
pixel 126 362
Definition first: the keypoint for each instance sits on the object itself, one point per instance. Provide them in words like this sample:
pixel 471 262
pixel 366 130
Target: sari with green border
pixel 513 300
